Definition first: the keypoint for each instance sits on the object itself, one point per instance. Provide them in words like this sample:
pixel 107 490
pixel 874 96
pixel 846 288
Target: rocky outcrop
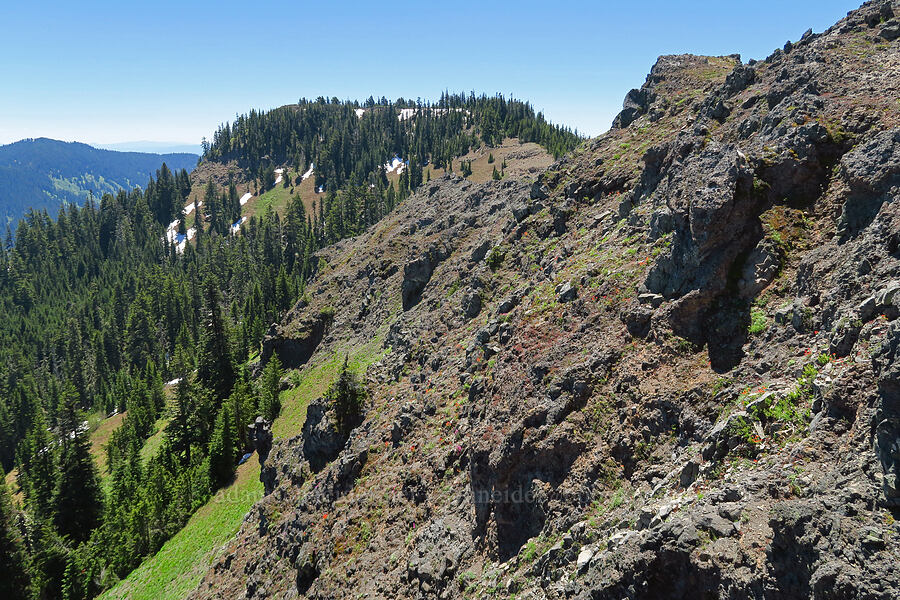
pixel 872 172
pixel 296 344
pixel 322 441
pixel 666 368
pixel 417 274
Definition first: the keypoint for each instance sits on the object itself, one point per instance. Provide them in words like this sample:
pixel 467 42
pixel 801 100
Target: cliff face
pixel 668 368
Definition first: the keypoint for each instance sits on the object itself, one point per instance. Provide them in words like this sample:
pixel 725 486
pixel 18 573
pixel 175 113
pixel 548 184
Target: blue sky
pixel 108 71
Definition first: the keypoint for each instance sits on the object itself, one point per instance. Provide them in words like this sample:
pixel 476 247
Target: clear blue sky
pixel 109 71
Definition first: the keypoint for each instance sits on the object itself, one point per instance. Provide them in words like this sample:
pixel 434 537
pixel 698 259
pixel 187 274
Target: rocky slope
pixel 666 369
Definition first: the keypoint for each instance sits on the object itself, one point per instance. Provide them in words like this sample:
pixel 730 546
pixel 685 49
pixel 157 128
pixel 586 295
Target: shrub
pixel 758 322
pixel 495 258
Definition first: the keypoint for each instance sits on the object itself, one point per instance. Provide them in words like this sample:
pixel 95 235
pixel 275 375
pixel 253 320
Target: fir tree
pixel 270 382
pixel 78 498
pixel 347 395
pixel 222 448
pixel 215 369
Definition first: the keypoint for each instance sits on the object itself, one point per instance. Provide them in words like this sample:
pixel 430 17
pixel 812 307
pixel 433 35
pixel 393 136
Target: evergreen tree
pixel 48 557
pixel 222 448
pixel 36 457
pixel 270 384
pixel 181 430
pixel 347 395
pixel 78 498
pixel 215 369
pixel 139 332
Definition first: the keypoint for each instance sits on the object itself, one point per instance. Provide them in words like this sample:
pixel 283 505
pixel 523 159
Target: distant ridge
pixel 44 174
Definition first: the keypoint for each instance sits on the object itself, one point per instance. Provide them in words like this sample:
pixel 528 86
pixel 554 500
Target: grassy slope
pixel 154 441
pixel 99 438
pixel 181 562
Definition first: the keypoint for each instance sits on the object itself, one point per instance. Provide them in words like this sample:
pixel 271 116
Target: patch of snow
pixel 279 171
pixel 246 198
pixel 236 227
pixel 172 232
pixel 396 163
pixel 278 179
pixel 359 112
pixel 409 113
pixel 309 172
pixel 182 240
pixel 175 381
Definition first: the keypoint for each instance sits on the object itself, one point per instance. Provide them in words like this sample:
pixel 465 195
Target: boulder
pixel 654 300
pixel 890 32
pixel 471 304
pixel 417 274
pixel 635 104
pixel 689 473
pixel 584 559
pixel 566 292
pixel 759 270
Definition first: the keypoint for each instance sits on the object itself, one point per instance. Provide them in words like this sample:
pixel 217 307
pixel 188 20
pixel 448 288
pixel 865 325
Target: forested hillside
pixel 352 141
pixel 109 300
pixel 46 174
pixel 99 311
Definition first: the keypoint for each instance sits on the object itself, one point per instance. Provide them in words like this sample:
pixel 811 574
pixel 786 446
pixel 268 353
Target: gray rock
pixel 471 304
pixel 870 170
pixel 721 439
pixel 635 104
pixel 689 473
pixel 507 304
pixel 654 300
pixel 715 525
pixel 783 315
pixel 866 308
pixel 322 442
pixel 480 251
pixel 584 559
pixel 759 270
pixel 520 212
pixel 539 191
pixel 890 31
pixel 889 295
pixel 566 292
pixel 731 510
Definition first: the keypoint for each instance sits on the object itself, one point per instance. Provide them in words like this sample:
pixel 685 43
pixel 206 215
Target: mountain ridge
pixel 665 369
pixel 44 174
